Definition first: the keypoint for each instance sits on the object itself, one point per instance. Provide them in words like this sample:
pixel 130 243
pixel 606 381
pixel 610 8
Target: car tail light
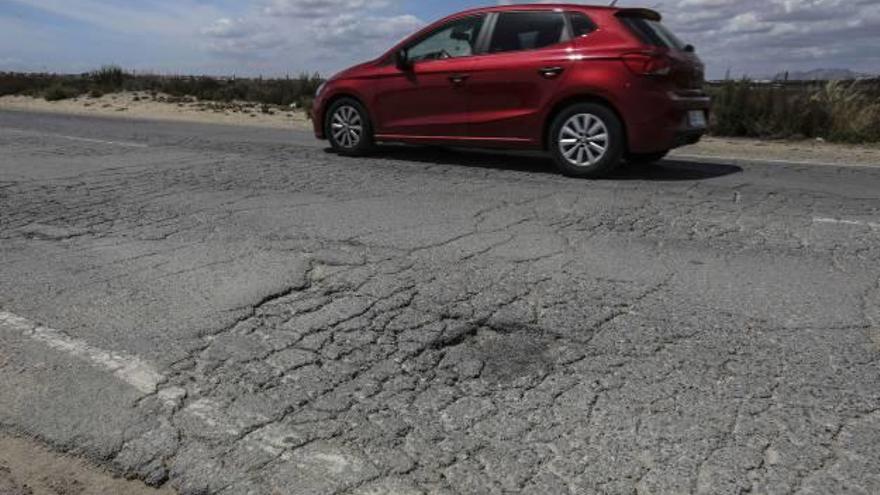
pixel 648 64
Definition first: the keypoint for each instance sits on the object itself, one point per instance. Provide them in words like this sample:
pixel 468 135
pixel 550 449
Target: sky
pixel 278 37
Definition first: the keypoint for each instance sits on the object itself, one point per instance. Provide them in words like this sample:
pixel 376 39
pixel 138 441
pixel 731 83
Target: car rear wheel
pixel 348 128
pixel 638 159
pixel 586 140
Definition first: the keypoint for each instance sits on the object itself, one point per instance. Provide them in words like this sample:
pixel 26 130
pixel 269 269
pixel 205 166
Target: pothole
pixel 497 356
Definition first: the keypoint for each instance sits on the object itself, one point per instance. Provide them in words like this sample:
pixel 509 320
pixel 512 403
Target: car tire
pixel 640 159
pixel 348 128
pixel 587 141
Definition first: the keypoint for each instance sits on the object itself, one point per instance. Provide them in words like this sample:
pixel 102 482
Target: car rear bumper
pixel 668 125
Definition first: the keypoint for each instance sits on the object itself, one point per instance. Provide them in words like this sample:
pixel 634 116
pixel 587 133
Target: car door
pixel 427 99
pixel 511 85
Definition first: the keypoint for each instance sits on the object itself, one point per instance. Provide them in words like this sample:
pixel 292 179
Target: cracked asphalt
pixel 236 311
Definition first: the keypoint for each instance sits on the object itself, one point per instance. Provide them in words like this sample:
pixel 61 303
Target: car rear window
pixel 526 31
pixel 653 32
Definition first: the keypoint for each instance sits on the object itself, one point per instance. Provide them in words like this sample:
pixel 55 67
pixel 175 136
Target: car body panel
pixel 422 101
pixel 506 102
pixel 508 95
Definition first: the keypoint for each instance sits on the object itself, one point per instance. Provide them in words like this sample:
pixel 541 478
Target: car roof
pixel 551 6
pixel 535 6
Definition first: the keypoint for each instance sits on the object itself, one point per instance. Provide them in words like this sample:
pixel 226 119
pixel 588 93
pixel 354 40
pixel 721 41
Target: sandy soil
pixel 143 105
pixel 808 151
pixel 163 107
pixel 27 468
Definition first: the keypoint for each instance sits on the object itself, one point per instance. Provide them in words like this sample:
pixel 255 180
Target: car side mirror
pixel 401 60
pixel 690 48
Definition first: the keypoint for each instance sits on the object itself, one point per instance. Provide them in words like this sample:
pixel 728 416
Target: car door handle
pixel 458 79
pixel 550 72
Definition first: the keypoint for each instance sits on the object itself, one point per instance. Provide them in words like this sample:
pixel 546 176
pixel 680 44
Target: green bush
pixel 59 92
pixel 109 78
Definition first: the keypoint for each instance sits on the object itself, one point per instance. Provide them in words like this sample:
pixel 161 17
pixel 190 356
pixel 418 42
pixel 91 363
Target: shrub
pixel 109 78
pixel 13 84
pixel 846 113
pixel 306 103
pixel 59 92
pixel 835 111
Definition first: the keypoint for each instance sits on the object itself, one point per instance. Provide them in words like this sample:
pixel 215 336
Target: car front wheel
pixel 348 128
pixel 587 140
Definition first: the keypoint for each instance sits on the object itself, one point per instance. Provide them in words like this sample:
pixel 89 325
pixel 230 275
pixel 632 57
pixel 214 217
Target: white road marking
pixel 128 144
pixel 146 378
pixel 130 369
pixel 101 141
pixel 853 223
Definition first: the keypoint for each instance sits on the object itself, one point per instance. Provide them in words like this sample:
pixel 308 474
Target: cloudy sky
pixel 275 37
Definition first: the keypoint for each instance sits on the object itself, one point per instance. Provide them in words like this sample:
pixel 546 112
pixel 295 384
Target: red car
pixel 592 85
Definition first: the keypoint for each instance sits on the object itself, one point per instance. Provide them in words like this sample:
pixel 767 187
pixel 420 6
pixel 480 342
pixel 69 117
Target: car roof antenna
pixel 613 3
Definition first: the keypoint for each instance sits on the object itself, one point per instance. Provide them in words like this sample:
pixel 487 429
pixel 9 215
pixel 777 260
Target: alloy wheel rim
pixel 583 140
pixel 347 126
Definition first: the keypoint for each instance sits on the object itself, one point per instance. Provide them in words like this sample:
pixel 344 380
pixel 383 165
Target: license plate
pixel 697 118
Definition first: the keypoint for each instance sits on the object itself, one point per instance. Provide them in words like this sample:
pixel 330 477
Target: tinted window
pixel 527 31
pixel 456 39
pixel 653 33
pixel 580 24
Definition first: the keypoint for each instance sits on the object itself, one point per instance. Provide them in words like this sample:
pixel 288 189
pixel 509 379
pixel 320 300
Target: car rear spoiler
pixel 651 15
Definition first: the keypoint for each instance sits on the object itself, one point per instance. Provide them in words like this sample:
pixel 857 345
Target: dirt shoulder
pixel 158 106
pixel 151 106
pixel 807 151
pixel 27 468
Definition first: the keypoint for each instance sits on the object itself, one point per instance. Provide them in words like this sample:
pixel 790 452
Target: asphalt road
pixel 236 310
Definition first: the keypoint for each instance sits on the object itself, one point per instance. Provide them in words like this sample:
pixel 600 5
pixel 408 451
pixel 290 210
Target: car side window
pixel 581 25
pixel 516 31
pixel 454 40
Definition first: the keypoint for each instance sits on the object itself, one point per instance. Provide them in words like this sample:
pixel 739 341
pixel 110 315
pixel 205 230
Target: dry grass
pixel 836 111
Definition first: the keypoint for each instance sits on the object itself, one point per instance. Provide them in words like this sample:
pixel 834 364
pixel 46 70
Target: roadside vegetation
pixel 283 92
pixel 836 111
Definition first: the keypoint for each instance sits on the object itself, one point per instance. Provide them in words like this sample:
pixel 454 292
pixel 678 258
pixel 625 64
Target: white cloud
pixel 352 29
pixel 319 8
pixel 764 37
pixel 323 34
pixel 160 17
pixel 227 28
pixel 276 36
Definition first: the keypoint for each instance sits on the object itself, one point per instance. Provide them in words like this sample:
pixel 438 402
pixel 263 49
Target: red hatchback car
pixel 594 86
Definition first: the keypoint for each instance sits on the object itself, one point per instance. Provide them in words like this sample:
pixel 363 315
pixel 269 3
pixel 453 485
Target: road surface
pixel 235 310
